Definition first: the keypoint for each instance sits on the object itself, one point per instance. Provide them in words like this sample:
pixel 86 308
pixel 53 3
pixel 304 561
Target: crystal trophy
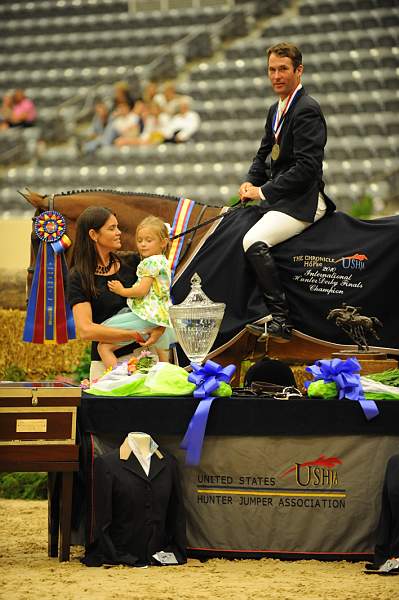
pixel 196 321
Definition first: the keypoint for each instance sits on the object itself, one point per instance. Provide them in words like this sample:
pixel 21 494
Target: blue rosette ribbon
pixel 207 379
pixel 49 317
pixel 345 374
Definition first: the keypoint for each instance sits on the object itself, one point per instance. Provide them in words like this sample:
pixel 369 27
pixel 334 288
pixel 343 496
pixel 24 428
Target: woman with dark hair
pixel 95 262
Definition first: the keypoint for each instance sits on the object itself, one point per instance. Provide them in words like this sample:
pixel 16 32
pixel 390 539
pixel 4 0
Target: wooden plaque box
pixel 38 413
pixel 38 433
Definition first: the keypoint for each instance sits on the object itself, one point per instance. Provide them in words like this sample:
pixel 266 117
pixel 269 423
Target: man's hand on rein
pixel 248 192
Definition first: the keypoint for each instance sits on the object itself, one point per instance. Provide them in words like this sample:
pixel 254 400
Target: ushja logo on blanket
pixel 356 261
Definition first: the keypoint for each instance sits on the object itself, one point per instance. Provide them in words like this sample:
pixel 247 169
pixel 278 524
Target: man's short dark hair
pixel 286 49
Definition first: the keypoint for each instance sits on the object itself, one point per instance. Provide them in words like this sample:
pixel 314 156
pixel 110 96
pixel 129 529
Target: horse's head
pixel 333 313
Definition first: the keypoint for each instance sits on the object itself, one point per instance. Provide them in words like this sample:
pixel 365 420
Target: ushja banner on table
pixel 299 496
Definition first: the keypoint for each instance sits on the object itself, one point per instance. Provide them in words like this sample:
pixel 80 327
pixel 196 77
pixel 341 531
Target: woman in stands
pixel 22 111
pixel 6 110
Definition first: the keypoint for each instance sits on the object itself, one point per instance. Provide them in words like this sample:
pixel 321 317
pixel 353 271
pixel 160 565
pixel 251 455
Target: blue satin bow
pixel 207 380
pixel 345 374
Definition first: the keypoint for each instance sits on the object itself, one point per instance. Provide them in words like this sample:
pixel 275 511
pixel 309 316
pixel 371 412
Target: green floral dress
pixel 152 310
pixel 154 306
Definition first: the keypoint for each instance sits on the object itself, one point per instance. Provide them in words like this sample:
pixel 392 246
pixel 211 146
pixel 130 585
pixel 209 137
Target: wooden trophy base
pixel 371 362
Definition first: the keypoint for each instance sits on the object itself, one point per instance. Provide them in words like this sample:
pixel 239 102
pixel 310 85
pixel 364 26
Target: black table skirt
pixel 238 415
pixel 329 426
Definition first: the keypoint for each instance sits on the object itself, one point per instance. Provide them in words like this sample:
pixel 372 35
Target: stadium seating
pixel 62 53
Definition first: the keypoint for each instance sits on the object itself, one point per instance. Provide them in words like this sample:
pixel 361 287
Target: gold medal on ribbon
pixel 275 152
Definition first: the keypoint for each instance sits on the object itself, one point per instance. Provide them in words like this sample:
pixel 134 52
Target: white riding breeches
pixel 276 227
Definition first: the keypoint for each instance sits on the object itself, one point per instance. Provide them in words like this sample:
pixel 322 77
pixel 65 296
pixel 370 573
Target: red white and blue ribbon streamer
pixel 179 225
pixel 207 380
pixel 278 121
pixel 345 374
pixel 49 317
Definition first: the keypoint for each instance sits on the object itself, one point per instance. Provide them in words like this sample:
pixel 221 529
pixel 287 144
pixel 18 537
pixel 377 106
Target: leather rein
pixel 198 225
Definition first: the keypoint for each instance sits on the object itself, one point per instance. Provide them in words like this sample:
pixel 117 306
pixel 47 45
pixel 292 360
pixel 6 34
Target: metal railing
pixel 165 5
pixel 175 55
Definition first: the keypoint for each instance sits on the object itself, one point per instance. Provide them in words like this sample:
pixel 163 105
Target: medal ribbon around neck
pixel 278 125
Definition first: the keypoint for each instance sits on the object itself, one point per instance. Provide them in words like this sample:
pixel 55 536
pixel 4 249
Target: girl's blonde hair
pixel 158 227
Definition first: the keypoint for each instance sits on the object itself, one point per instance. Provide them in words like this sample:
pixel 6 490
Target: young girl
pixel 149 297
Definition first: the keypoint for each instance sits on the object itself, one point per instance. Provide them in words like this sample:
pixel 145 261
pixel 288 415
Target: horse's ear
pixel 27 194
pixel 32 197
pixel 24 194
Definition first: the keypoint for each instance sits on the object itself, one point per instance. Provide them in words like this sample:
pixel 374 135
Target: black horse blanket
pixel 339 259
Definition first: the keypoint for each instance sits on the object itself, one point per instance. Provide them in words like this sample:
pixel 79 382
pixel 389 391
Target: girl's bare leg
pixel 106 352
pixel 163 355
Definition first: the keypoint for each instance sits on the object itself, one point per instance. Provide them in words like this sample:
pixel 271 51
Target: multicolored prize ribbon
pixel 179 225
pixel 49 317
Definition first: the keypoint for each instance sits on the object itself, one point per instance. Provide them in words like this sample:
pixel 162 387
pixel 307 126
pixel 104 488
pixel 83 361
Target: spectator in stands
pixel 125 120
pixel 128 135
pixel 6 110
pixel 293 197
pixel 100 118
pixel 23 111
pixel 122 95
pixel 154 122
pixel 99 121
pixel 169 99
pixel 150 92
pixel 184 124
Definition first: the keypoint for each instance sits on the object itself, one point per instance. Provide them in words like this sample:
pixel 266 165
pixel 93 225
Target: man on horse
pixel 287 176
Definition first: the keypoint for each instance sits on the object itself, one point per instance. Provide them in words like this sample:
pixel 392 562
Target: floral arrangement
pixel 141 363
pixel 85 383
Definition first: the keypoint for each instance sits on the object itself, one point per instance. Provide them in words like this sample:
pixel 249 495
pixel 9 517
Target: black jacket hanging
pixel 136 516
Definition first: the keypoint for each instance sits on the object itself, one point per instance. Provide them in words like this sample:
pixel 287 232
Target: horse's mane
pixel 123 193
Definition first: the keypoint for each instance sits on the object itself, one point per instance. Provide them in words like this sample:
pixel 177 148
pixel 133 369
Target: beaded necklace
pixel 103 270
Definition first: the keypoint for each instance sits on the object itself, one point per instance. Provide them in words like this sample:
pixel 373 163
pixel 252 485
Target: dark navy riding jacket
pixel 295 179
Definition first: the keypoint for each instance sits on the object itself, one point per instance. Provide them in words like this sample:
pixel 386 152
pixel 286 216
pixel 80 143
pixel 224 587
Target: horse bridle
pixel 192 229
pixel 31 269
pixel 50 201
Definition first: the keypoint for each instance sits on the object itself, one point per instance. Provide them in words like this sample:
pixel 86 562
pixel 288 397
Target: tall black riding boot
pixel 262 262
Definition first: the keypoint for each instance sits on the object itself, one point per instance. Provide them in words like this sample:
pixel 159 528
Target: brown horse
pixel 130 208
